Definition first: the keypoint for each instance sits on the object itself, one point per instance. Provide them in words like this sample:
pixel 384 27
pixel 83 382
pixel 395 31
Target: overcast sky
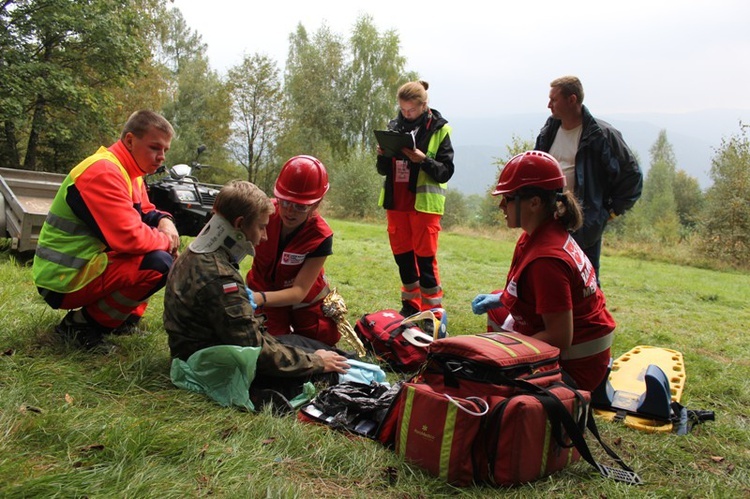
pixel 484 58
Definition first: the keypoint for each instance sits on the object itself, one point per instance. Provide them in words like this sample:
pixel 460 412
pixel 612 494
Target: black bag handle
pixel 558 414
pixel 395 333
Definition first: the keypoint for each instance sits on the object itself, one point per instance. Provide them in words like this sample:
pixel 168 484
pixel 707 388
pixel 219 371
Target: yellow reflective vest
pixel 68 255
pixel 430 195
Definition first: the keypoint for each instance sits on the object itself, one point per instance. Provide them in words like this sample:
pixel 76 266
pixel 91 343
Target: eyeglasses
pixel 301 208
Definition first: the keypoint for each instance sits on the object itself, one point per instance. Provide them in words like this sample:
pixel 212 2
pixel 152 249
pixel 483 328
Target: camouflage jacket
pixel 206 304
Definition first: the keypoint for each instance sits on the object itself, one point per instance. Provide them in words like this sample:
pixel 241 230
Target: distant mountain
pixel 479 142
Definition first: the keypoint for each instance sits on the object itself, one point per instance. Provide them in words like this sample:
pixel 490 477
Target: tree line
pixel 71 72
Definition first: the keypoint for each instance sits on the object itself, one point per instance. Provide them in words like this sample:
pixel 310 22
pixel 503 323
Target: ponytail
pixel 563 206
pixel 568 210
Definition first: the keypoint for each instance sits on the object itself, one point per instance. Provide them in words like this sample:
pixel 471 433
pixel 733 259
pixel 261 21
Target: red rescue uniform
pixel 549 273
pixel 275 267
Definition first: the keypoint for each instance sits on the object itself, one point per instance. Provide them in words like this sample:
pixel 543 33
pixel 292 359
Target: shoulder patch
pixel 230 287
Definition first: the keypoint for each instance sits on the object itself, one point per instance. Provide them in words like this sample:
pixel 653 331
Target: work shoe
pixel 278 403
pixel 130 326
pixel 407 309
pixel 81 334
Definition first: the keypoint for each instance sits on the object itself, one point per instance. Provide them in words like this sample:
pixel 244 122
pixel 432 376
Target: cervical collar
pixel 217 233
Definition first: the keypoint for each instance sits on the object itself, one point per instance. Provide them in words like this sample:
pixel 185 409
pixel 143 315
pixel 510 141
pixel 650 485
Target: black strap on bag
pixel 559 415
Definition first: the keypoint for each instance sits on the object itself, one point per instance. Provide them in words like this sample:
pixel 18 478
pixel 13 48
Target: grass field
pixel 77 424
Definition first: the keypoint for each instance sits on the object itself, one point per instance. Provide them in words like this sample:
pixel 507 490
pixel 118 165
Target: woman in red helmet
pixel 287 276
pixel 551 291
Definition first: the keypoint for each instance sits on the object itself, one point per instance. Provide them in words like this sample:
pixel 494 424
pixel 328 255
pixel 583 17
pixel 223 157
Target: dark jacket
pixel 607 173
pixel 440 168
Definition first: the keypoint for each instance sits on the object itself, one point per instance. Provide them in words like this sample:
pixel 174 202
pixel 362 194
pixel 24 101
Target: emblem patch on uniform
pixel 231 287
pixel 402 171
pixel 575 252
pixel 292 258
pixel 512 288
pixel 584 265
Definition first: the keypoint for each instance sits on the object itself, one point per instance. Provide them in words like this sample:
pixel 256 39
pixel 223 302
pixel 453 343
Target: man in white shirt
pixel 598 165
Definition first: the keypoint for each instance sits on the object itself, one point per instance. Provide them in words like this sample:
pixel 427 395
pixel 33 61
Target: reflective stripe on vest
pixel 68 254
pixel 431 194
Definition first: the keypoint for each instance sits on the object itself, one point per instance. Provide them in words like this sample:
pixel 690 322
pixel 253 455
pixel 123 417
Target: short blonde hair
pixel 413 91
pixel 240 198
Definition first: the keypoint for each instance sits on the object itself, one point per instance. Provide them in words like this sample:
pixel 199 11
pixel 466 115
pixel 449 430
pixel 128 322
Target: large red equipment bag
pixel 436 431
pixel 522 442
pixel 533 424
pixel 484 364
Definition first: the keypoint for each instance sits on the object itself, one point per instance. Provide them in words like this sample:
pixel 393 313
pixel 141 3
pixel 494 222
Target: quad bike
pixel 181 194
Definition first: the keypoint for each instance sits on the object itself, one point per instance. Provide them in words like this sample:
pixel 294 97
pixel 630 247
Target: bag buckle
pixel 619 475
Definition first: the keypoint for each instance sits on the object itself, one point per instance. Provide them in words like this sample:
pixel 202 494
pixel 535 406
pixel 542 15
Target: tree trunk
pixel 37 123
pixel 11 147
pixel 250 163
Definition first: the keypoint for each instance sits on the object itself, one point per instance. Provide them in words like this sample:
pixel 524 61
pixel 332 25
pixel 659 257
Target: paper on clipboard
pixel 391 141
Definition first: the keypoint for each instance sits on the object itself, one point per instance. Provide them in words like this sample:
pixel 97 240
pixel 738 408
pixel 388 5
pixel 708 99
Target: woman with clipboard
pixel 413 195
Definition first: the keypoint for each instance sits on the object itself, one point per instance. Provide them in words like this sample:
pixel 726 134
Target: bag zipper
pixel 528 371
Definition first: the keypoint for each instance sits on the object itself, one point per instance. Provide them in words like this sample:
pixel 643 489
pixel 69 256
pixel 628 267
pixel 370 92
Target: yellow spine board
pixel 627 377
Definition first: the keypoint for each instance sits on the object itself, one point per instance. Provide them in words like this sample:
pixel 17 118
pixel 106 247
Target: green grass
pixel 76 424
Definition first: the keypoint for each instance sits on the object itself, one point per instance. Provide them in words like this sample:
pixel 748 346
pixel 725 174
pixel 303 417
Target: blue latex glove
pixel 250 296
pixel 482 303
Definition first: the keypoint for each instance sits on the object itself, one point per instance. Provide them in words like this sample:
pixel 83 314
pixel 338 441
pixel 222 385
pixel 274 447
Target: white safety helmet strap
pixel 416 337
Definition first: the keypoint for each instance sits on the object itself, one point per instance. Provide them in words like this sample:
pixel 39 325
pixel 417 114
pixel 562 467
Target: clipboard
pixel 391 141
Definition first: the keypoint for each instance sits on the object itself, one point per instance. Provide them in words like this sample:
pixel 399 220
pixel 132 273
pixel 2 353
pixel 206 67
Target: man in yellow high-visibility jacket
pixel 104 247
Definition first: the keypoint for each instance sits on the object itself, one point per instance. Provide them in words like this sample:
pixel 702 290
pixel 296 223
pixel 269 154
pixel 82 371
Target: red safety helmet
pixel 302 180
pixel 530 169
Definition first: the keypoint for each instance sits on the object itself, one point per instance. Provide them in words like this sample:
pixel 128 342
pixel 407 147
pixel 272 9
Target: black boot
pixel 278 403
pixel 82 334
pixel 130 326
pixel 407 309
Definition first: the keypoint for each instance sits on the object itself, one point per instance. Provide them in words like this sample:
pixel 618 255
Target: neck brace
pixel 217 233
